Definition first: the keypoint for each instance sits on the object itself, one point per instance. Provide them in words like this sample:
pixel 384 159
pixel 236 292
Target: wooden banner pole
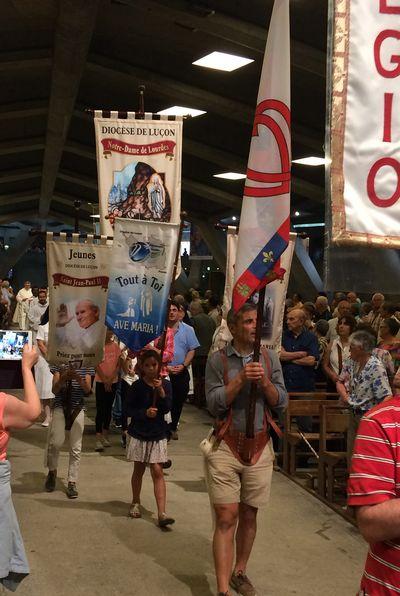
pixel 251 406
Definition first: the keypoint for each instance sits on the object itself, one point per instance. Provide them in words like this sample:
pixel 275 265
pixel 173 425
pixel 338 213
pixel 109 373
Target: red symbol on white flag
pixel 282 177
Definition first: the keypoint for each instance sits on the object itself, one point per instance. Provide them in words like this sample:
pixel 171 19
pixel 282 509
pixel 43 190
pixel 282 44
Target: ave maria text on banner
pixel 139 167
pixel 78 281
pixel 142 266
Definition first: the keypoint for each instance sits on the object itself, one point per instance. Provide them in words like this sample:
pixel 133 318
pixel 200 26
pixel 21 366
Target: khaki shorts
pixel 230 481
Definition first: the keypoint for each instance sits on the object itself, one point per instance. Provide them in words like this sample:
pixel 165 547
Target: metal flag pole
pixel 77 206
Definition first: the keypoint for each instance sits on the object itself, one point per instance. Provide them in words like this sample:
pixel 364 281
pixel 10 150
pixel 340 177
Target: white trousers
pixel 56 438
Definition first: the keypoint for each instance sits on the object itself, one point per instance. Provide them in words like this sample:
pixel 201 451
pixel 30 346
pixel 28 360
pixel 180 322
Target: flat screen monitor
pixel 12 343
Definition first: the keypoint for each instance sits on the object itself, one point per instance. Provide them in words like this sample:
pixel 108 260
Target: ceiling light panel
pixel 311 161
pixel 222 61
pixel 230 176
pixel 181 111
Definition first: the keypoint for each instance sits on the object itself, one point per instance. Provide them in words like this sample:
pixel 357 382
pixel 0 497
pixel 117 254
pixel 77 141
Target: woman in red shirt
pixel 106 384
pixel 16 414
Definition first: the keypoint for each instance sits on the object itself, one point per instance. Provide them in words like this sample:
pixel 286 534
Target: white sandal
pixel 134 511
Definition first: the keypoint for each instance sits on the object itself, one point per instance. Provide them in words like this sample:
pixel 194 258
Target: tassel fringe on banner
pixel 127 115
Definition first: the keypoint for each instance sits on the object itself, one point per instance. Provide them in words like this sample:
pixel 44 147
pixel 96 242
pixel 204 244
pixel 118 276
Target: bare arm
pixel 42 346
pixel 341 389
pixel 379 522
pixel 22 414
pixel 326 367
pixel 188 358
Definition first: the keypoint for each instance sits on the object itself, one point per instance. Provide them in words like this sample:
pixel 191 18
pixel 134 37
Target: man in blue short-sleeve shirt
pixel 299 356
pixel 185 343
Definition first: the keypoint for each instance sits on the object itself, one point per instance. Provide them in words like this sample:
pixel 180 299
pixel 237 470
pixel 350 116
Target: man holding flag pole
pixel 240 389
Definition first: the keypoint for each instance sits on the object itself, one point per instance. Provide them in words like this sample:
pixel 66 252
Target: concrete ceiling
pixel 58 57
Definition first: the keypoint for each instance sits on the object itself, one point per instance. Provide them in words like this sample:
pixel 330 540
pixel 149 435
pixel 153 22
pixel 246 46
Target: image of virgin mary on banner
pixel 142 264
pixel 78 282
pixel 139 167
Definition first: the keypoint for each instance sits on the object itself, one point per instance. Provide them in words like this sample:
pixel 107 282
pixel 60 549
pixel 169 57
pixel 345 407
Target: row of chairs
pixel 332 422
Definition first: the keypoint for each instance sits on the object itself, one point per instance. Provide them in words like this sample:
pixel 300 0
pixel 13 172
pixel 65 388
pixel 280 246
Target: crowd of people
pixel 350 346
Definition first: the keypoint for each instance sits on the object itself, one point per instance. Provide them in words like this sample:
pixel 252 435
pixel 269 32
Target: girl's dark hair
pixel 146 354
pixel 348 320
pixel 45 317
pixel 392 324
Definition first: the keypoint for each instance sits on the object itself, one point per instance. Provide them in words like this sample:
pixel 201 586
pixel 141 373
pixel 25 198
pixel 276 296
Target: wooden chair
pixel 308 405
pixel 334 419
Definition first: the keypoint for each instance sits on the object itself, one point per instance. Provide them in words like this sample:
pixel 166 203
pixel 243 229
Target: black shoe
pixel 165 521
pixel 167 464
pixel 50 483
pixel 72 493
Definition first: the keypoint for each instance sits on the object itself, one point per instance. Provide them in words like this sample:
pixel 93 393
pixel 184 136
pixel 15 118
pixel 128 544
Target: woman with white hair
pixel 363 382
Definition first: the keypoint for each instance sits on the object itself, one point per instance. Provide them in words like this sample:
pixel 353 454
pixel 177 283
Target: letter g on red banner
pixel 282 177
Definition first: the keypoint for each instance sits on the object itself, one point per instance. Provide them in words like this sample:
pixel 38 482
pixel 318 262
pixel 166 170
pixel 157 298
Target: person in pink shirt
pixel 14 414
pixel 106 385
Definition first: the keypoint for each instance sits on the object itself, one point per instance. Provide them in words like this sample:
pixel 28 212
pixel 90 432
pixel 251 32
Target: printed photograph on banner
pixel 139 170
pixel 78 282
pixel 142 264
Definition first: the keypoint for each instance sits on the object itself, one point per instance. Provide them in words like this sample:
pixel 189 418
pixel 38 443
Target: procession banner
pixel 78 281
pixel 274 303
pixel 222 335
pixel 142 264
pixel 265 216
pixel 139 167
pixel 365 123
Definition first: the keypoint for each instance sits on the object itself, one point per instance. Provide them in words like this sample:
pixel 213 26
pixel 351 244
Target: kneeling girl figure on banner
pixel 147 402
pixel 239 470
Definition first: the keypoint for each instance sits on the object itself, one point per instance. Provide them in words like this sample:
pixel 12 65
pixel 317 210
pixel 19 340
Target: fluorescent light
pixel 311 161
pixel 95 216
pixel 222 61
pixel 297 213
pixel 181 111
pixel 310 225
pixel 230 176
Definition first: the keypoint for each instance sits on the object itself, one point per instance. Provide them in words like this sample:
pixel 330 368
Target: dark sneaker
pixel 166 464
pixel 165 521
pixel 50 483
pixel 72 493
pixel 241 583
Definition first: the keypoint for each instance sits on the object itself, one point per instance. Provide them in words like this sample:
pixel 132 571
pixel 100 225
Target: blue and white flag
pixel 141 272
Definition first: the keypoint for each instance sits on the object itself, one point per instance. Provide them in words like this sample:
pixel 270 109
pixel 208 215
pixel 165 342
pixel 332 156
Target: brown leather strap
pixel 340 357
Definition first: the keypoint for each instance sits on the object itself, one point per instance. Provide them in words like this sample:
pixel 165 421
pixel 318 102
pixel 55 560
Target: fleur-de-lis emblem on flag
pixel 268 257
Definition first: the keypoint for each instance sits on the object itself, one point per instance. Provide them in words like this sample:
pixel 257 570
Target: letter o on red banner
pixel 373 197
